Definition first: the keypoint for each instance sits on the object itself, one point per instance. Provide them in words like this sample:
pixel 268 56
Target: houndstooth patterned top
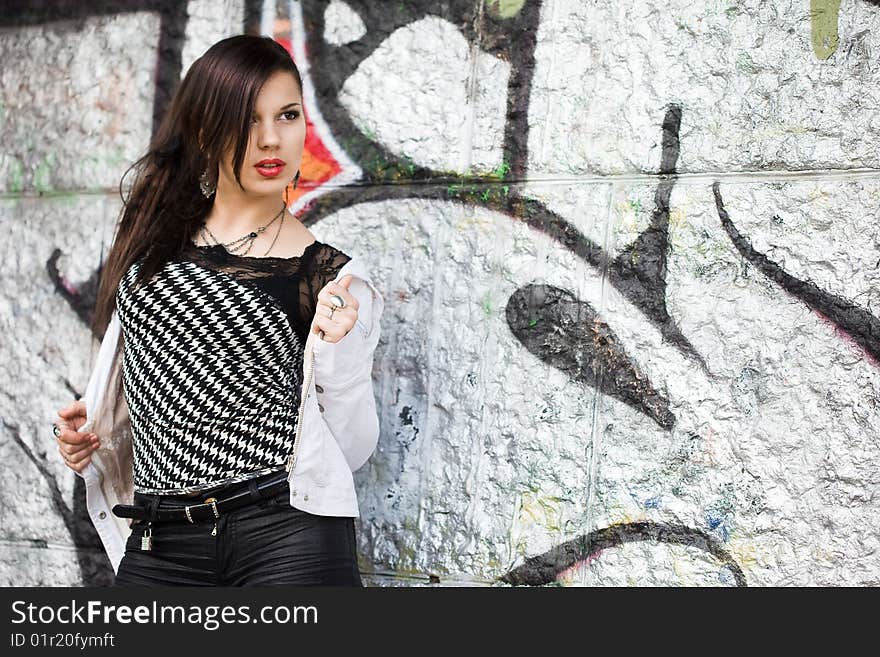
pixel 213 360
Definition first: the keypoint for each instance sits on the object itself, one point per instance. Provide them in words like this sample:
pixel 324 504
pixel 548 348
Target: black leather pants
pixel 264 543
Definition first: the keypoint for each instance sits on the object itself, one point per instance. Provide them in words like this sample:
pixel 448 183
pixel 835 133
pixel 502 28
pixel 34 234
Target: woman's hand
pixel 76 448
pixel 343 318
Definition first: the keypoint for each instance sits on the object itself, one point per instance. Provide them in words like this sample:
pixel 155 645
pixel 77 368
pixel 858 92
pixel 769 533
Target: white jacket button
pixel 305 498
pixel 102 515
pixel 293 493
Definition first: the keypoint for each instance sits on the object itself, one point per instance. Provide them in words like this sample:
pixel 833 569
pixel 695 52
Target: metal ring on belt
pixel 209 509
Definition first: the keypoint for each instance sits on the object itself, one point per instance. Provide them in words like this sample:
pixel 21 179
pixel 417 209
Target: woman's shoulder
pixel 327 259
pixel 329 248
pixel 323 253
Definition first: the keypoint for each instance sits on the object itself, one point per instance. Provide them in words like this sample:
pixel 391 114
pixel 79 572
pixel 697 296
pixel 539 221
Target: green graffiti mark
pixel 497 173
pixel 43 174
pixel 823 17
pixel 381 169
pixel 500 171
pixel 16 176
pixel 487 303
pixel 478 193
pixel 408 165
pixel 505 8
pixel 375 165
pixel 745 63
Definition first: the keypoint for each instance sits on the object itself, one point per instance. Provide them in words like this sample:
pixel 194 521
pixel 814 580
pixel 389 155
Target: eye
pixel 290 115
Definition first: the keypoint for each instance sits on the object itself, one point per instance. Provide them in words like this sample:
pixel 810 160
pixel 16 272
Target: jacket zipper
pixel 291 460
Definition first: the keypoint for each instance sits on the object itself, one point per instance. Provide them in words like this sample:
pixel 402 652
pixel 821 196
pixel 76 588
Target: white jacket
pixel 330 444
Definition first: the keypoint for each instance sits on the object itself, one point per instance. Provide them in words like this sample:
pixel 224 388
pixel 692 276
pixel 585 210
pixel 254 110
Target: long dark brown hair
pixel 210 113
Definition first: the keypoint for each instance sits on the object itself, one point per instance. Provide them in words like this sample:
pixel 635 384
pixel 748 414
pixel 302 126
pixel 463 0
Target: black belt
pixel 210 508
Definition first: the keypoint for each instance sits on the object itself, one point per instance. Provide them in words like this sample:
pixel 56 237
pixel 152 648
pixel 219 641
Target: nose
pixel 267 135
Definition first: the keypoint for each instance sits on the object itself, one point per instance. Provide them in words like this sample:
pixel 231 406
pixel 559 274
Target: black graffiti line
pixel 253 17
pixel 639 271
pixel 521 54
pixel 57 497
pixel 82 299
pixel 545 568
pixel 529 211
pixel 567 334
pixel 82 533
pixel 856 322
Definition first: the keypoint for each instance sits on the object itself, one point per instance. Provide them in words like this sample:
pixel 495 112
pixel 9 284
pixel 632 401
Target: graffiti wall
pixel 630 254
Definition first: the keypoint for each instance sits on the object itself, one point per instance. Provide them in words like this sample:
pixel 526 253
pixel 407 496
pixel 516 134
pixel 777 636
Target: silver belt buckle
pixel 210 500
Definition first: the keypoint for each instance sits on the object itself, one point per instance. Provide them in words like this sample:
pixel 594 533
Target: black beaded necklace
pixel 247 239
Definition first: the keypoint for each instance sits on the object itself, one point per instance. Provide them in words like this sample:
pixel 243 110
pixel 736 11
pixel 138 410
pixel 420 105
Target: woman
pixel 227 429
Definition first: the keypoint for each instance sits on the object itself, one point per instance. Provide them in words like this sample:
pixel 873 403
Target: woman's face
pixel 275 145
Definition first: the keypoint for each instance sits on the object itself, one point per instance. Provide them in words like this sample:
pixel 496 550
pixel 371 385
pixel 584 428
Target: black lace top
pixel 294 282
pixel 213 360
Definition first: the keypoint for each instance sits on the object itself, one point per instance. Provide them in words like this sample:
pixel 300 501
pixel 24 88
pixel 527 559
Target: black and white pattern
pixel 211 374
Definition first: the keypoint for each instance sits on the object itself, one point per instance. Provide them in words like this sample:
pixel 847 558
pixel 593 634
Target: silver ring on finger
pixel 337 301
pixel 56 430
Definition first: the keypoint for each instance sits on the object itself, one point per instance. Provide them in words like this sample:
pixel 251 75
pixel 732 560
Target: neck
pixel 234 215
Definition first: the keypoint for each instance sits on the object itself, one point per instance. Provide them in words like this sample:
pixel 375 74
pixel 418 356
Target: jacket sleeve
pixel 344 380
pixel 95 396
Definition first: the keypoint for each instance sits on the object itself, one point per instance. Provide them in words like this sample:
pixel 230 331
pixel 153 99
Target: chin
pixel 267 187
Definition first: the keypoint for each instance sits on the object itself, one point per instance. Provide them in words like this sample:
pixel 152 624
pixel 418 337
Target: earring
pixel 296 178
pixel 208 188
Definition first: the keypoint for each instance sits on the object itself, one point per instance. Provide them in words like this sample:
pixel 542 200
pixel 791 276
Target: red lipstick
pixel 270 167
